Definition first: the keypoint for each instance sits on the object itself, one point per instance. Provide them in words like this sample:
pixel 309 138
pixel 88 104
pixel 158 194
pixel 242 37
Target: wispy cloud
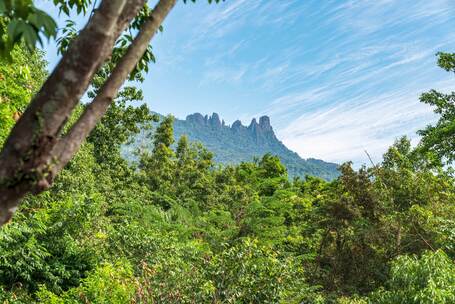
pixel 224 75
pixel 342 132
pixel 336 77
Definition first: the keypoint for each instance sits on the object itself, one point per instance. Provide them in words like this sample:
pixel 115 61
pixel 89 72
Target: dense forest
pixel 237 143
pixel 176 227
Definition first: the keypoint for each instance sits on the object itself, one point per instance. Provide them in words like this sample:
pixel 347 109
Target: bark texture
pixel 35 152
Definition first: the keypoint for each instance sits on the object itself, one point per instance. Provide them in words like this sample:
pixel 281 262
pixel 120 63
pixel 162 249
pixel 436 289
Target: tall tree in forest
pixel 440 138
pixel 159 165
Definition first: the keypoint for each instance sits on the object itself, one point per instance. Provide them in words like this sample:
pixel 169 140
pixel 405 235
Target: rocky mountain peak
pixel 196 118
pixel 261 129
pixel 214 121
pixel 237 125
pixel 253 125
pixel 264 123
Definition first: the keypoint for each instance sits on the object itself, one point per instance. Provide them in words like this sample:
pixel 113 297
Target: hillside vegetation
pixel 176 228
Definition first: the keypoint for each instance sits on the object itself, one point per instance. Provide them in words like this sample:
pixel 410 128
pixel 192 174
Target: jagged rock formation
pixel 237 143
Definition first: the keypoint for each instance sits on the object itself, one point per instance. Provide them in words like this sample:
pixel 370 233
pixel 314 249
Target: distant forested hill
pixel 236 143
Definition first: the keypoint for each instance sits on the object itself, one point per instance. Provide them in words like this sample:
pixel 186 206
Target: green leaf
pixel 30 35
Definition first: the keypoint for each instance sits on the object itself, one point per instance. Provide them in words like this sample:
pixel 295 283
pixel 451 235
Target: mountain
pixel 236 143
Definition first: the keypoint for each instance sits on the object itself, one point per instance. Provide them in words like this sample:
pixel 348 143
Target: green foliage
pixel 381 212
pixel 108 283
pixel 424 280
pixel 164 135
pixel 66 6
pixel 271 166
pixel 51 246
pixel 22 22
pixel 19 81
pixel 159 165
pixel 177 228
pixel 447 61
pixel 119 124
pixel 251 273
pixel 439 139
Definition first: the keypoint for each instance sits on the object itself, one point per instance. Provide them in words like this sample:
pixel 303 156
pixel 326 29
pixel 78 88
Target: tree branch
pixel 70 144
pixel 26 159
pixel 60 93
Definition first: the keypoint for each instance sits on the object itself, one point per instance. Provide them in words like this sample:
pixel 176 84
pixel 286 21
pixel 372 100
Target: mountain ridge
pixel 232 144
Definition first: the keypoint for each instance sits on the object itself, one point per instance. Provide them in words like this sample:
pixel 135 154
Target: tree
pixel 440 138
pixel 159 166
pixel 36 149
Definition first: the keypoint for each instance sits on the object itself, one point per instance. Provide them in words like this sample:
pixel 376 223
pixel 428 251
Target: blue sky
pixel 335 77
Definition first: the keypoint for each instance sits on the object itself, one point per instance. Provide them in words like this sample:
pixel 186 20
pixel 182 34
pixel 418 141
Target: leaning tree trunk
pixel 35 151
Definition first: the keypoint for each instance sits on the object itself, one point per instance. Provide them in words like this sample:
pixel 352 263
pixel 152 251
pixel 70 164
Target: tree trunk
pixel 35 152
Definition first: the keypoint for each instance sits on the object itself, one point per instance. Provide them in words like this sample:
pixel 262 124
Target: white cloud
pixel 224 75
pixel 344 131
